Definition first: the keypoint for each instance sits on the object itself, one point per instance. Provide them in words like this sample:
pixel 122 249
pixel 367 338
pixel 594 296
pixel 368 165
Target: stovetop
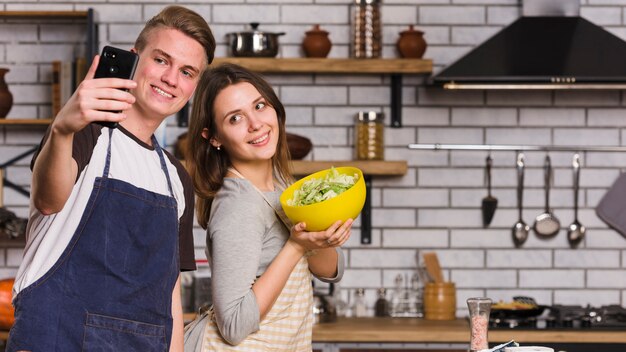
pixel 564 317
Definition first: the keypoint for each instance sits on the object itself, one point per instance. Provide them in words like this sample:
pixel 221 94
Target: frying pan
pixel 517 313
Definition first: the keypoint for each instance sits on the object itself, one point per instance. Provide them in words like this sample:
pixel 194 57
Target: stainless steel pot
pixel 254 43
pixel 324 309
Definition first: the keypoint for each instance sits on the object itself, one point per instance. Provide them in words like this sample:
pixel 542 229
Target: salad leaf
pixel 318 190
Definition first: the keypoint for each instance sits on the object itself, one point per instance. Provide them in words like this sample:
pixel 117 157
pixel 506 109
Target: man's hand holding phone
pixel 103 95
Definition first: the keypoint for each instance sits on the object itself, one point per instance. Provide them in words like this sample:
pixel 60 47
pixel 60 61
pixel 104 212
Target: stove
pixel 565 317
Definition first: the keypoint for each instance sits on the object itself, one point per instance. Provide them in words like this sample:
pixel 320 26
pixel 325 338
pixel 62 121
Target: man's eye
pixel 187 73
pixel 159 60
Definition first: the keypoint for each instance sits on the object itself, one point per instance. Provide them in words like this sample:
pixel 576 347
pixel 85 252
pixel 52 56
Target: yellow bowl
pixel 320 216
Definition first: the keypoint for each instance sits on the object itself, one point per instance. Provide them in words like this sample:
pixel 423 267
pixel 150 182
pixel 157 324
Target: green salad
pixel 318 190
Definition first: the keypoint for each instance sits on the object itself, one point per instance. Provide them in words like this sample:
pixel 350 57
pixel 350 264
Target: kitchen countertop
pixel 413 330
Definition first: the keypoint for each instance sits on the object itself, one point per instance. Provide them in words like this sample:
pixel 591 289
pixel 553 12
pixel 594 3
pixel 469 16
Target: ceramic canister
pixel 316 42
pixel 6 98
pixel 440 301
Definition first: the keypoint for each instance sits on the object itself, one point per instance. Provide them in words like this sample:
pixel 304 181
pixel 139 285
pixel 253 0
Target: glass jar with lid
pixel 366 31
pixel 369 138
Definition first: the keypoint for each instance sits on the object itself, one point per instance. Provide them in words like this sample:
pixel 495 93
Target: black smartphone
pixel 116 63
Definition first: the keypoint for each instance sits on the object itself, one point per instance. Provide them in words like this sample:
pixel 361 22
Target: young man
pixel 111 216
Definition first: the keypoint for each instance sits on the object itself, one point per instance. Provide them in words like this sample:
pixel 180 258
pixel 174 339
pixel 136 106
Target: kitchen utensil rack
pixel 516 148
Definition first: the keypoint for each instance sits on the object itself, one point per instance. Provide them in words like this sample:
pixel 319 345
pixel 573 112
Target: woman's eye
pixel 260 105
pixel 235 118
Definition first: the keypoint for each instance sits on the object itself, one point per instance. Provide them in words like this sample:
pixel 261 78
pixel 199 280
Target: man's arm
pixel 54 171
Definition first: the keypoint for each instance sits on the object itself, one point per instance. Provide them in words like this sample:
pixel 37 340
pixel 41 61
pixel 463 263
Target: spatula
pixel 490 203
pixel 432 266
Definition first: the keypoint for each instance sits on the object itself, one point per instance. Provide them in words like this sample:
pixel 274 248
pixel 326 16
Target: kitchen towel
pixel 194 332
pixel 612 206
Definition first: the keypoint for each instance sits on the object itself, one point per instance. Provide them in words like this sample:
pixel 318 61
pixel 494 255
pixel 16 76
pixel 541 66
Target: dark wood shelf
pixel 369 167
pixel 45 14
pixel 25 122
pixel 316 65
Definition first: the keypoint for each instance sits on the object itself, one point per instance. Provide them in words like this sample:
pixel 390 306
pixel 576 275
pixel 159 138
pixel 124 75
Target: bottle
pixel 397 298
pixel 479 309
pixel 381 308
pixel 417 297
pixel 359 309
pixel 340 305
pixel 367 34
pixel 369 135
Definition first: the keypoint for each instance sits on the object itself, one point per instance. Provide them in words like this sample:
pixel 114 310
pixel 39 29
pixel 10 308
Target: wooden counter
pixel 409 330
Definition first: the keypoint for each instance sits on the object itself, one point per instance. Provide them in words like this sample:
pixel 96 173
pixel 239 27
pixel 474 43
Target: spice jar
pixel 479 309
pixel 367 35
pixel 369 135
pixel 381 307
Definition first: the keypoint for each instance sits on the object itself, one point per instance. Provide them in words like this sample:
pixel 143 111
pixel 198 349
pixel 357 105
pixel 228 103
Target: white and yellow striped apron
pixel 288 325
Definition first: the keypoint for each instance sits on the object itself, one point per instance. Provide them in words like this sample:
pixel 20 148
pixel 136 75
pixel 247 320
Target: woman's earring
pixel 219 147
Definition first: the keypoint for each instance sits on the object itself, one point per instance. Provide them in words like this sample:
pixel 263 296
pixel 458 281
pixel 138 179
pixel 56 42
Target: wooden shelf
pixel 369 167
pixel 394 67
pixel 23 122
pixel 314 65
pixel 44 14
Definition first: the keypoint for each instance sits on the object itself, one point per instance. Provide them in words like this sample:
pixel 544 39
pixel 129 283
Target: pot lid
pixel 411 30
pixel 316 30
pixel 254 30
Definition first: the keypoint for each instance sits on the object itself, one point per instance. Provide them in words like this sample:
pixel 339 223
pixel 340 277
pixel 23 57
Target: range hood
pixel 546 48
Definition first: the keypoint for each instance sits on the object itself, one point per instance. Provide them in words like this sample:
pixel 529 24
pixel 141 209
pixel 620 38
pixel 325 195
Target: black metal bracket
pixel 396 100
pixel 366 213
pixel 12 161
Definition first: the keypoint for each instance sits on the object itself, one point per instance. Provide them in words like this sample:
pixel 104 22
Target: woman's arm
pixel 177 315
pixel 268 286
pixel 325 262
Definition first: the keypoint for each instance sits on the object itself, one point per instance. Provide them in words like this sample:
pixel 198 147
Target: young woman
pixel 260 265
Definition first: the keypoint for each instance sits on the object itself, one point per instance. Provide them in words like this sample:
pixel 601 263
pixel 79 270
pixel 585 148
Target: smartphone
pixel 117 63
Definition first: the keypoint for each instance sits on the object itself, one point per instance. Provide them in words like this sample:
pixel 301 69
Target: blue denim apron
pixel 111 289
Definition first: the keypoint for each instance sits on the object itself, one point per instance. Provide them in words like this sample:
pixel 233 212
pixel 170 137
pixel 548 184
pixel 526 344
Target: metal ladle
pixel 546 224
pixel 576 230
pixel 520 230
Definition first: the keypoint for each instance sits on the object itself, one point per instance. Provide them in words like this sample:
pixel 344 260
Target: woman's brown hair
pixel 207 165
pixel 185 20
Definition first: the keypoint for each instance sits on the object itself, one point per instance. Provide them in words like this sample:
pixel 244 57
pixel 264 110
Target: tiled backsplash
pixel 436 205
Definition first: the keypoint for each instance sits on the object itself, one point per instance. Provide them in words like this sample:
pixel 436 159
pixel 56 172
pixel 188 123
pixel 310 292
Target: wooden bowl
pixel 299 146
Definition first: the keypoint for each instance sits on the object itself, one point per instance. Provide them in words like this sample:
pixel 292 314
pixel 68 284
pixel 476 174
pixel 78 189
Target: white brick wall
pixel 436 205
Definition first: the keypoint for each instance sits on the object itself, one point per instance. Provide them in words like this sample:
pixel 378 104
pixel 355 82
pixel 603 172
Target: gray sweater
pixel 243 237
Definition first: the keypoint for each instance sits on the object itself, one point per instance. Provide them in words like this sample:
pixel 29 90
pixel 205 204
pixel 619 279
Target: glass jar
pixel 359 308
pixel 367 35
pixel 369 139
pixel 479 309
